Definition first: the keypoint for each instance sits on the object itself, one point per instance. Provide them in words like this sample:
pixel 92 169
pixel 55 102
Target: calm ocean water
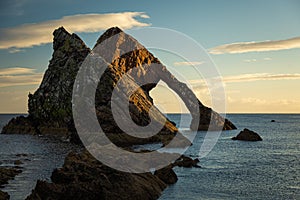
pixel 43 155
pixel 269 169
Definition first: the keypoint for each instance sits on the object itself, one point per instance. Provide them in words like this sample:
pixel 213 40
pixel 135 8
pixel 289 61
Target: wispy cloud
pixel 28 35
pixel 19 76
pixel 200 84
pixel 15 50
pixel 263 102
pixel 16 71
pixel 188 63
pixel 250 60
pixel 260 77
pixel 244 47
pixel 256 60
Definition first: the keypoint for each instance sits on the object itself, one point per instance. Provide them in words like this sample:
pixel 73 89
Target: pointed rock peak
pixel 60 31
pixel 61 36
pixel 109 33
pixel 113 30
pixel 114 42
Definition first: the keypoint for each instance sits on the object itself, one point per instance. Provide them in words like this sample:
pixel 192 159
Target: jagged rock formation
pixel 150 69
pixel 247 135
pixel 83 177
pixel 50 108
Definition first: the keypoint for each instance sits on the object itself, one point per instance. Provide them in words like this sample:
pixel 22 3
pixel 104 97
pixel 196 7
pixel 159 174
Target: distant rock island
pixel 50 108
pixel 247 135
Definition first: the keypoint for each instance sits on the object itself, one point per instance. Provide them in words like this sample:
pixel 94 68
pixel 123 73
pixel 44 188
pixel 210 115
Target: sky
pixel 254 44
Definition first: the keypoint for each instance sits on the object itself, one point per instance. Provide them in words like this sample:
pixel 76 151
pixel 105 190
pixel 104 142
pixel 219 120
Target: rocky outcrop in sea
pixel 85 178
pixel 50 107
pixel 247 135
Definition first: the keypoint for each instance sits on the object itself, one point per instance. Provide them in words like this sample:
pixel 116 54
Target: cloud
pixel 18 76
pixel 245 47
pixel 28 35
pixel 15 50
pixel 260 77
pixel 256 60
pixel 263 102
pixel 16 71
pixel 255 101
pixel 250 60
pixel 144 16
pixel 267 58
pixel 246 78
pixel 188 63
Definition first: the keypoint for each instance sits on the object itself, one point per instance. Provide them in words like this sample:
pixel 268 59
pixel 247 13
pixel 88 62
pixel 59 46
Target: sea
pixel 268 169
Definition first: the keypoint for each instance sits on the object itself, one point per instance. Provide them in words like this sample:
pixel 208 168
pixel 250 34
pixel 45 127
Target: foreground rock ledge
pixel 84 178
pixel 247 135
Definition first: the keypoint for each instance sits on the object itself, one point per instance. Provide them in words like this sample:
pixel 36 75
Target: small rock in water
pixel 188 162
pixel 18 162
pixel 21 155
pixel 247 135
pixel 272 120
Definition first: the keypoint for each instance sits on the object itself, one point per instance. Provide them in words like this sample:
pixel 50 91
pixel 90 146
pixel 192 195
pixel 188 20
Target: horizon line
pixel 287 113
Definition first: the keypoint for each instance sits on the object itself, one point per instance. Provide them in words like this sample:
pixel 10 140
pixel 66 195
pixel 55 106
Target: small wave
pixel 213 167
pixel 294 187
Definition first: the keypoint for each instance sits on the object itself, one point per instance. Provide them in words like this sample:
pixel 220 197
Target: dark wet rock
pixel 21 155
pixel 188 162
pixel 7 173
pixel 247 135
pixel 4 195
pixel 273 120
pixel 18 162
pixel 167 175
pixel 83 177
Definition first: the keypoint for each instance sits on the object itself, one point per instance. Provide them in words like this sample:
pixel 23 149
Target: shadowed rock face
pixel 50 108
